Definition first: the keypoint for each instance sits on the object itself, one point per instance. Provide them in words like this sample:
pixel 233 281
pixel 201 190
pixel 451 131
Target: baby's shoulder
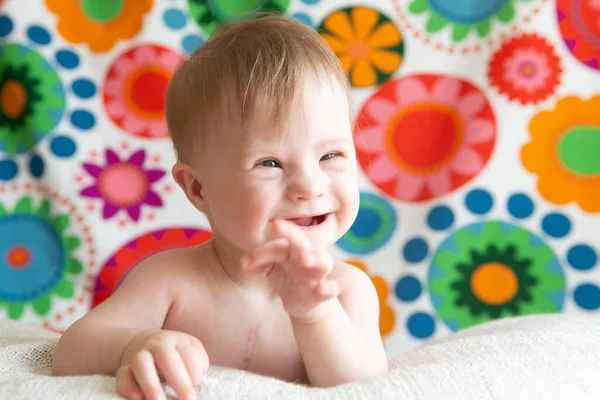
pixel 351 277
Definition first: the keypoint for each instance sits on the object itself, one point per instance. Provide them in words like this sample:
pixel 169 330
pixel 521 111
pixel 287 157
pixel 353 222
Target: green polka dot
pixel 102 10
pixel 579 150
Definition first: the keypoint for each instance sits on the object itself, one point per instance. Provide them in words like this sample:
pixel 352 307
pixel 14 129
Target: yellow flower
pixel 564 152
pixel 99 23
pixel 368 44
pixel 387 317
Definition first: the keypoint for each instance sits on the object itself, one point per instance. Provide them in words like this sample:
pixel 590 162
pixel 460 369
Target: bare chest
pixel 239 336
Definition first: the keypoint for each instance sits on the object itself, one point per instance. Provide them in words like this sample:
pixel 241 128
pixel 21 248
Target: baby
pixel 260 120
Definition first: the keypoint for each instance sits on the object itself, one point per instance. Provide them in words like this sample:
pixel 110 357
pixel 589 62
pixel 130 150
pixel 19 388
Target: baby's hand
pixel 296 271
pixel 178 357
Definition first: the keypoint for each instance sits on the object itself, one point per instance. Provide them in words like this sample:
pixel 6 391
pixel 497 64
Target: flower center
pixel 578 150
pixel 146 90
pixel 528 69
pixel 123 184
pixel 13 99
pixel 102 10
pixel 18 257
pixel 358 50
pixel 424 137
pixel 494 283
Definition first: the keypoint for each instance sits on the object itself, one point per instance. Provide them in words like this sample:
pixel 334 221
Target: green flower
pixel 36 257
pixel 464 16
pixel 209 13
pixel 494 270
pixel 32 99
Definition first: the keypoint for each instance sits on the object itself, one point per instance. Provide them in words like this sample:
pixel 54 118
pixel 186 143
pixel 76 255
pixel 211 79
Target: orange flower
pixel 99 23
pixel 368 44
pixel 563 152
pixel 387 317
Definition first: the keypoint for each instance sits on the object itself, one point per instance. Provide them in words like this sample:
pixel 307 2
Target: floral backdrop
pixel 478 139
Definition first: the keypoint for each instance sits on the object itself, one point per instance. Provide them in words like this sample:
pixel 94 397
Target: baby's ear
pixel 188 180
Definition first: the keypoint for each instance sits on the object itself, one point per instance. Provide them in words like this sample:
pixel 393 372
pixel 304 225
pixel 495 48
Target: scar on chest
pixel 249 347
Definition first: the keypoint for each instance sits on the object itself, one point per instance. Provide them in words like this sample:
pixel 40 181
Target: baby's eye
pixel 329 156
pixel 270 164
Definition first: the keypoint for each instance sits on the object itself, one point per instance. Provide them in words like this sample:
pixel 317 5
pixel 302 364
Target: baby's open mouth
pixel 309 221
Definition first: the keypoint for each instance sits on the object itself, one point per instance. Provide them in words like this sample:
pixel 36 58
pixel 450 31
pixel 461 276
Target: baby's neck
pixel 226 266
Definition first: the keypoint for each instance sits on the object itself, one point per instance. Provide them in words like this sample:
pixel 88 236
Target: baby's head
pixel 260 121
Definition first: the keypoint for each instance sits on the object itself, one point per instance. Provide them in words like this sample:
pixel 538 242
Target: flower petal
pixel 338 46
pixel 466 162
pixel 386 35
pixel 169 60
pixel 338 23
pixel 154 174
pixel 382 170
pixel 144 55
pixel 364 20
pixel 409 186
pixel 470 105
pixel 446 91
pixel 133 124
pixel 410 91
pixel 15 310
pixel 134 212
pixel 137 158
pixel 123 68
pixel 347 62
pixel 109 210
pixel 479 130
pixel 91 191
pixel 363 74
pixel 92 169
pixel 385 61
pixel 115 108
pixel 41 305
pixel 111 157
pixel 371 139
pixel 152 199
pixel 381 110
pixel 439 182
pixel 159 129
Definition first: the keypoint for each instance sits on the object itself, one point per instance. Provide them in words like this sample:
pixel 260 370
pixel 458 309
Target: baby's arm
pixel 125 331
pixel 346 345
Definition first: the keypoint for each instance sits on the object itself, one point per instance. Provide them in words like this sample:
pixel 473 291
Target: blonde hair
pixel 261 63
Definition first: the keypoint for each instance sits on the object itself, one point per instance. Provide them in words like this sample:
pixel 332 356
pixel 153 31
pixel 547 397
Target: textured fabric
pixel 477 130
pixel 536 357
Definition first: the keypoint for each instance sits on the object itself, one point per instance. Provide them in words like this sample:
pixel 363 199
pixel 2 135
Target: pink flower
pixel 136 87
pixel 123 184
pixel 527 69
pixel 420 139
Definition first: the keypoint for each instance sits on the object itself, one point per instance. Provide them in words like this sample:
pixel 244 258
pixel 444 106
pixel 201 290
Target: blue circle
pixel 415 250
pixel 38 34
pixel 174 18
pixel 587 296
pixel 373 227
pixel 67 59
pixel 8 170
pixel 47 262
pixel 83 88
pixel 366 224
pixel 421 325
pixel 63 146
pixel 440 218
pixel 191 42
pixel 310 2
pixel 83 119
pixel 304 18
pixel 6 25
pixel 582 257
pixel 36 166
pixel 408 288
pixel 468 12
pixel 556 225
pixel 479 201
pixel 520 205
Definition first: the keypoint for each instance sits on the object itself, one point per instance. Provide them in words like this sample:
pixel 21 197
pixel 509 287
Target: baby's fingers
pixel 126 384
pixel 263 257
pixel 196 362
pixel 315 265
pixel 172 367
pixel 144 371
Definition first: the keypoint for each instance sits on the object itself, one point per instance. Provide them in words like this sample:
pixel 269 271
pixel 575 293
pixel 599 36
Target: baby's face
pixel 306 173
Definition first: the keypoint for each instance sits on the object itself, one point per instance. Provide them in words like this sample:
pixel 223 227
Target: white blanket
pixel 539 357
